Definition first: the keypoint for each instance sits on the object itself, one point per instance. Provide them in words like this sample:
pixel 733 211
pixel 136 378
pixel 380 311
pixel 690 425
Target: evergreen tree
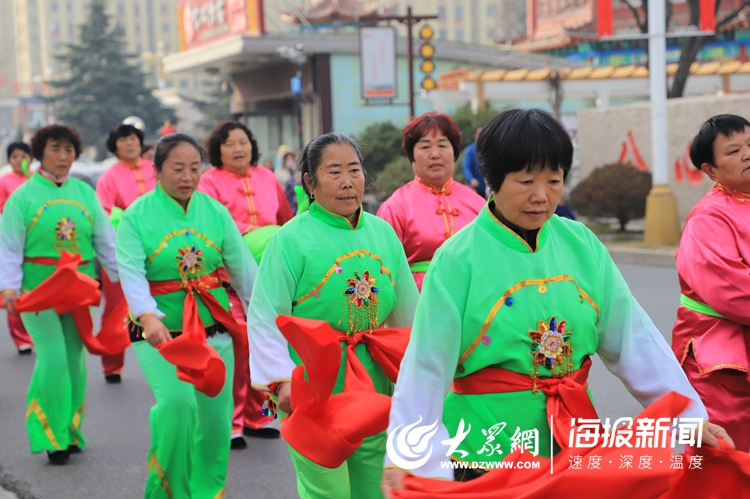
pixel 103 87
pixel 215 105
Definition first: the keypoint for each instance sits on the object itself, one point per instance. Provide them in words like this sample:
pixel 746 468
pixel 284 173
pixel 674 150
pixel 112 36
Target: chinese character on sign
pixel 676 463
pixel 686 430
pixel 644 463
pixel 595 462
pixel 695 463
pixel 644 433
pixel 576 462
pixel 586 433
pixel 491 434
pixel 454 442
pixel 626 462
pixel 525 440
pixel 618 436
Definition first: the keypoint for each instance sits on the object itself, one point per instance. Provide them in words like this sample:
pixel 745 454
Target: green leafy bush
pixel 380 144
pixel 617 190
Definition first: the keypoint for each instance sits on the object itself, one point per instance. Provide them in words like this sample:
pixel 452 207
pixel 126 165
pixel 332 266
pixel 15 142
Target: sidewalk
pixel 640 254
pixel 4 494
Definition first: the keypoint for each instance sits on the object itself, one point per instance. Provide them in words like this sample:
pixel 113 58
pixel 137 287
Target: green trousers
pixel 190 432
pixel 54 403
pixel 358 478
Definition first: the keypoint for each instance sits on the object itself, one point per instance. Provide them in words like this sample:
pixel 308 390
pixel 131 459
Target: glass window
pixel 71 29
pixel 137 28
pixel 138 47
pixel 442 34
pixel 120 9
pixel 491 34
pixel 53 7
pixel 441 11
pixel 69 7
pixel 167 47
pixel 184 83
pixel 458 12
pixel 459 34
pixel 491 11
pixel 164 8
pixel 165 28
pixel 55 28
pixel 136 9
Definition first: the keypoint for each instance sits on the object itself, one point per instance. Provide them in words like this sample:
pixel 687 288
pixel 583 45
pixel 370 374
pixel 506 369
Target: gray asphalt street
pixel 113 465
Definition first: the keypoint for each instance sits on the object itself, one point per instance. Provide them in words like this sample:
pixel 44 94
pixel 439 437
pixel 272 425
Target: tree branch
pixel 732 16
pixel 642 25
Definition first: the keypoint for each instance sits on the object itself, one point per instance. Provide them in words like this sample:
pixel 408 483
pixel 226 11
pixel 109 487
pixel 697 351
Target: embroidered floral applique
pixel 189 262
pixel 65 235
pixel 361 302
pixel 551 349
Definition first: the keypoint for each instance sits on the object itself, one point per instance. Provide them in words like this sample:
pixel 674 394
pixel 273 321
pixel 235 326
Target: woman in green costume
pixel 513 306
pixel 337 264
pixel 49 214
pixel 170 244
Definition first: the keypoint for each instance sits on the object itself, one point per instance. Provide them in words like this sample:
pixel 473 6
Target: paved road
pixel 114 462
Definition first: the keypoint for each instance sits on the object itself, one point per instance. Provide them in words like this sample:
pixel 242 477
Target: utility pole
pixel 409 20
pixel 297 56
pixel 662 224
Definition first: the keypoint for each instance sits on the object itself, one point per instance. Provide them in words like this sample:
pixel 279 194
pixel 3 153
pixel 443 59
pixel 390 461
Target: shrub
pixel 395 174
pixel 380 144
pixel 617 190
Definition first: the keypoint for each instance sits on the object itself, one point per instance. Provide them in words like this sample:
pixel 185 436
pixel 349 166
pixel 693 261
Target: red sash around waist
pixel 70 291
pixel 566 397
pixel 327 428
pixel 197 362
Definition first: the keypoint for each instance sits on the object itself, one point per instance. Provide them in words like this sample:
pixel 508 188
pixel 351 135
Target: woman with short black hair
pixel 338 264
pixel 514 305
pixel 18 153
pixel 170 246
pixel 48 215
pixel 258 207
pixel 711 336
pixel 117 188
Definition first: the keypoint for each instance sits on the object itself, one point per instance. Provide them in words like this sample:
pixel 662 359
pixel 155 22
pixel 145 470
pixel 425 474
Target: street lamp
pixel 298 58
pixel 155 59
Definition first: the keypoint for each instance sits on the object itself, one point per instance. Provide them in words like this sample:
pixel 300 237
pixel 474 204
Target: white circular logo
pixel 412 446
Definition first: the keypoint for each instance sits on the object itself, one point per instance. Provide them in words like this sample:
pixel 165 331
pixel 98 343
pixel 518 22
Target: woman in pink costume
pixel 18 152
pixel 432 207
pixel 712 333
pixel 254 199
pixel 118 187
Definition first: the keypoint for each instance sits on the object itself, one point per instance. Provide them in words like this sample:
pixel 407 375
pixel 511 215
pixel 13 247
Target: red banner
pixel 708 15
pixel 204 21
pixel 604 8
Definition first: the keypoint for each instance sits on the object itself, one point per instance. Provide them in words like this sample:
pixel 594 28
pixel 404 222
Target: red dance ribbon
pixel 197 362
pixel 566 397
pixel 327 428
pixel 69 291
pixel 567 482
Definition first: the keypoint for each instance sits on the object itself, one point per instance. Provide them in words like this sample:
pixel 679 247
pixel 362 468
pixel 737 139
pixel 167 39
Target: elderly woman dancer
pixel 118 187
pixel 712 333
pixel 517 303
pixel 49 214
pixel 18 152
pixel 338 264
pixel 254 199
pixel 170 245
pixel 432 207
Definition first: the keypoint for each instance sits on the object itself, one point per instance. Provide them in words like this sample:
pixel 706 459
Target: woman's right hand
pixel 285 397
pixel 393 479
pixel 9 302
pixel 154 330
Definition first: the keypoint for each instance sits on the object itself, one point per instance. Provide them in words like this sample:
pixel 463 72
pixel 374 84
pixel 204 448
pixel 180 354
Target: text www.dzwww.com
pixel 522 465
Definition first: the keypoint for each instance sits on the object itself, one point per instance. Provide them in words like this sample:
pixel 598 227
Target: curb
pixel 654 258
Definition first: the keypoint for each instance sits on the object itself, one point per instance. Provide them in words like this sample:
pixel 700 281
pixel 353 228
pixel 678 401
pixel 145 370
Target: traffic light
pixel 427 51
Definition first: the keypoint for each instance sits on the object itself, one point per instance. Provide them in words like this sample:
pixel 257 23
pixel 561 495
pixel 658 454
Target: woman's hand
pixel 393 479
pixel 285 397
pixel 154 331
pixel 710 434
pixel 9 302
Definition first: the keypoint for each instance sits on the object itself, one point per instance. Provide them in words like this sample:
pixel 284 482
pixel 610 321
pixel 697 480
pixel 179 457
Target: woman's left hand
pixel 711 432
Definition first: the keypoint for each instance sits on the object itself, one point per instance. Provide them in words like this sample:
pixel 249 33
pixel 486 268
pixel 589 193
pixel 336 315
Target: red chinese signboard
pixel 204 21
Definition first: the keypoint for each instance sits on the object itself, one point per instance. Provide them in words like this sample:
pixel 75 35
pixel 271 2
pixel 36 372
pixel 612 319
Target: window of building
pixel 57 47
pixel 165 28
pixel 491 34
pixel 55 28
pixel 459 34
pixel 120 9
pixel 138 47
pixel 136 10
pixel 184 83
pixel 441 11
pixel 458 11
pixel 69 7
pixel 442 34
pixel 165 8
pixel 53 7
pixel 491 10
pixel 137 28
pixel 71 29
pixel 167 47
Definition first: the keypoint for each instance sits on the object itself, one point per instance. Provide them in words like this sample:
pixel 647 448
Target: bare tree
pixel 691 45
